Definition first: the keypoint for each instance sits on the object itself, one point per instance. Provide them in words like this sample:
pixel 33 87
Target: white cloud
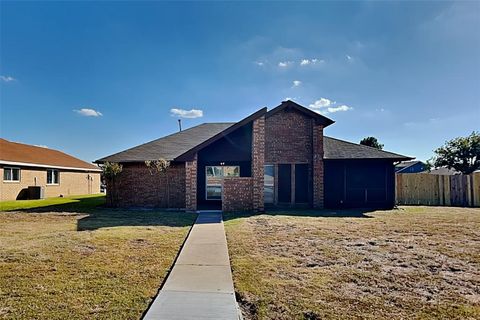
pixel 7 78
pixel 193 113
pixel 41 146
pixel 297 83
pixel 349 58
pixel 321 103
pixel 260 63
pixel 306 62
pixel 342 107
pixel 284 64
pixel 325 106
pixel 87 112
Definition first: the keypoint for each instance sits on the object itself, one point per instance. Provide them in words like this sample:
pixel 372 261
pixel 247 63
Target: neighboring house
pixel 23 166
pixel 410 167
pixel 271 158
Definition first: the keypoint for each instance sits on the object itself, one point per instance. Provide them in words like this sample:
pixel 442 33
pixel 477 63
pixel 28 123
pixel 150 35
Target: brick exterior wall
pixel 258 162
pixel 70 183
pixel 237 194
pixel 137 186
pixel 292 137
pixel 288 138
pixel 318 167
pixel 191 184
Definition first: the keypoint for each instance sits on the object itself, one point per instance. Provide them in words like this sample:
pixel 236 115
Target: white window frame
pixel 12 168
pixel 216 184
pixel 58 175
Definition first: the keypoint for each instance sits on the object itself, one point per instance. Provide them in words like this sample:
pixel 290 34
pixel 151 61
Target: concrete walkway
pixel 200 284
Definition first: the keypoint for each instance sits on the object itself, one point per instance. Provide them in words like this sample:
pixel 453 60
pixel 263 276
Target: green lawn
pixel 75 261
pixel 411 263
pixel 75 202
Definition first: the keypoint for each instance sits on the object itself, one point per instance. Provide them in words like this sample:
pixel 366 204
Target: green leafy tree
pixel 371 142
pixel 461 154
pixel 110 171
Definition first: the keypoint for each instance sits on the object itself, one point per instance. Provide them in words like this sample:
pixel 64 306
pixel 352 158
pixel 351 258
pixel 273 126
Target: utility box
pixel 36 192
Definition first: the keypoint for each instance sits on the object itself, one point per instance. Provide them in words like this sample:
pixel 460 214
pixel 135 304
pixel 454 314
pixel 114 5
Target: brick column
pixel 318 166
pixel 191 184
pixel 258 162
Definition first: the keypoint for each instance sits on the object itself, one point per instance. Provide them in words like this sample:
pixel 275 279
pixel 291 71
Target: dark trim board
pixel 190 153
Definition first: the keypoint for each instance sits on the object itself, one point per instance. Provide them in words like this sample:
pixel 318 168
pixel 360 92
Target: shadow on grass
pixel 107 218
pixel 98 216
pixel 319 213
pixel 81 204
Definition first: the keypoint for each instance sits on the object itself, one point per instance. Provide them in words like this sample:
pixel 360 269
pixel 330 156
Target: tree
pixel 160 166
pixel 461 154
pixel 110 171
pixel 372 142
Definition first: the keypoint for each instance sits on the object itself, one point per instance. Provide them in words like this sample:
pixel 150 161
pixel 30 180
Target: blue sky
pixel 94 78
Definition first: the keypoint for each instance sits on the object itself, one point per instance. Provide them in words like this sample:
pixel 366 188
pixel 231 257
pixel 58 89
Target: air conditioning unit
pixel 36 192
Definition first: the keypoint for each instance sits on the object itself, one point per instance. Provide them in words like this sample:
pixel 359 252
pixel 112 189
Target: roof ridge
pixel 362 145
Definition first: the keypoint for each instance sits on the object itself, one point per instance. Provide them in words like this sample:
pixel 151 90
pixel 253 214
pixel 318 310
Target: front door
pixel 301 183
pixel 284 183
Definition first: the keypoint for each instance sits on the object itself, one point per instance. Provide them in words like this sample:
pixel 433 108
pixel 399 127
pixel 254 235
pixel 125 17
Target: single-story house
pixel 277 158
pixel 410 167
pixel 56 173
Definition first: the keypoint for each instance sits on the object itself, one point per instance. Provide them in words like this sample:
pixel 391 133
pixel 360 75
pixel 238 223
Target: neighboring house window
pixel 215 174
pixel 11 174
pixel 52 176
pixel 268 183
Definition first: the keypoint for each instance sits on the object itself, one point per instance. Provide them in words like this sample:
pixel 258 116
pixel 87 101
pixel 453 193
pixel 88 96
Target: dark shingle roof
pixel 171 146
pixel 340 149
pixel 174 145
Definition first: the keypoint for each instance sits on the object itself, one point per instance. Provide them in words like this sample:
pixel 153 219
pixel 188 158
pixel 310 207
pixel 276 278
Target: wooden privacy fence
pixel 438 190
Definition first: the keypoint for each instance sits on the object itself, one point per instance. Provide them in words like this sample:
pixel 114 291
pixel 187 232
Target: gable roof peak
pixel 292 105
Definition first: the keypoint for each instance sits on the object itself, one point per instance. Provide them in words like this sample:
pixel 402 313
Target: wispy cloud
pixel 325 106
pixel 348 57
pixel 260 63
pixel 307 62
pixel 284 64
pixel 296 83
pixel 41 146
pixel 342 107
pixel 7 78
pixel 87 112
pixel 193 113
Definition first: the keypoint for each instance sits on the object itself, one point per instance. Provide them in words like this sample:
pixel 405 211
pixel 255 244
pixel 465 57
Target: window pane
pixel 7 174
pixel 268 194
pixel 268 178
pixel 15 174
pixel 214 192
pixel 214 171
pixel 232 171
pixel 55 176
pixel 269 175
pixel 49 176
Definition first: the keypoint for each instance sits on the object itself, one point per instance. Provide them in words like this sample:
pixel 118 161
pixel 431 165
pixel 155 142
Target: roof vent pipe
pixel 180 124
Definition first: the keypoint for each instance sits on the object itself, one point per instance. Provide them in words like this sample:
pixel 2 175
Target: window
pixel 52 176
pixel 215 174
pixel 268 182
pixel 11 174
